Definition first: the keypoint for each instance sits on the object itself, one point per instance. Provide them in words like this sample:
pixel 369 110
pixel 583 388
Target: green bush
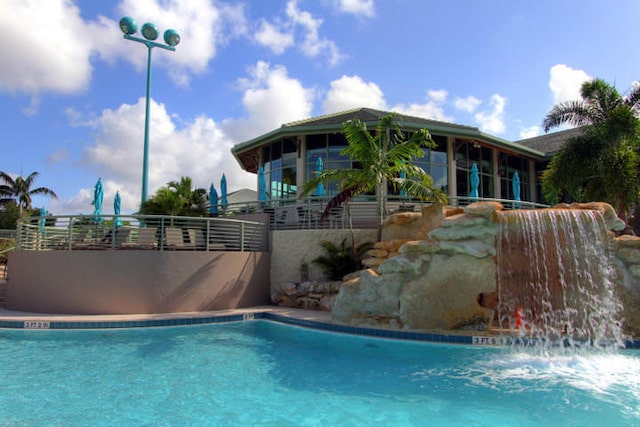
pixel 339 261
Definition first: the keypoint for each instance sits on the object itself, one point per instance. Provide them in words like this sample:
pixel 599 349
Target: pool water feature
pixel 555 277
pixel 264 373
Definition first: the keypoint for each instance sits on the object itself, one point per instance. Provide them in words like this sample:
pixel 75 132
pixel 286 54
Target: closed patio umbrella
pixel 515 183
pixel 475 181
pixel 319 168
pixel 98 195
pixel 223 193
pixel 116 209
pixel 213 201
pixel 262 185
pixel 43 218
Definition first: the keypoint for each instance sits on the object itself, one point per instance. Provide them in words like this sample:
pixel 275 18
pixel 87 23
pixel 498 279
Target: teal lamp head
pixel 172 38
pixel 128 25
pixel 149 31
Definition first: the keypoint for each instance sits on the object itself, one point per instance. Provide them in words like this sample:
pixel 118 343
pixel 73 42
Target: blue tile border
pixel 259 315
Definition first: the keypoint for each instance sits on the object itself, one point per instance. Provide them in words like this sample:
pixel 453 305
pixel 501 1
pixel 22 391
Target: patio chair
pixel 173 238
pixel 147 238
pixel 288 218
pixel 196 239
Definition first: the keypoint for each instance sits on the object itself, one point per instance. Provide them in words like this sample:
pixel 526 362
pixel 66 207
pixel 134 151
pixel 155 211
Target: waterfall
pixel 555 279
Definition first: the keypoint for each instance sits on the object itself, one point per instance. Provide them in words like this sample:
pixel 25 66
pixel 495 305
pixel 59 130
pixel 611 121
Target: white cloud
pixel 54 55
pixel 356 7
pixel 352 92
pixel 200 150
pixel 204 24
pixel 433 108
pixel 49 56
pixel 271 99
pixel 530 132
pixel 468 104
pixel 565 82
pixel 492 121
pixel 312 45
pixel 272 37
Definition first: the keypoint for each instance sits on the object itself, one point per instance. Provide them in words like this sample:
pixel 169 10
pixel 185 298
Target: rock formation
pixel 437 270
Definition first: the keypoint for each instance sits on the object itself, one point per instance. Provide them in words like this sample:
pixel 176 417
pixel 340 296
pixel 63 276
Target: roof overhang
pixel 248 153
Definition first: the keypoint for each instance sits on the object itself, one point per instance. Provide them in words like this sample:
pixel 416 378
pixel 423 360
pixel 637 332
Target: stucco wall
pixel 125 282
pixel 290 248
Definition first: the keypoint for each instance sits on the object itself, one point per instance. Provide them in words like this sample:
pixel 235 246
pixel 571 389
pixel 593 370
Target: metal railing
pixel 240 227
pixel 140 232
pixel 362 212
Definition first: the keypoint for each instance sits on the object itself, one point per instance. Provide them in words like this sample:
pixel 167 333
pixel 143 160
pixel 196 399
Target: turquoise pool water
pixel 260 373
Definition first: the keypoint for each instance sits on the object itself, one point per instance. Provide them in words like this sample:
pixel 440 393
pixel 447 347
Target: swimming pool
pixel 261 373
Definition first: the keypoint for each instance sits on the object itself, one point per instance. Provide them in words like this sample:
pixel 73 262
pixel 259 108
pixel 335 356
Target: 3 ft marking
pixel 247 316
pixel 36 324
pixel 488 341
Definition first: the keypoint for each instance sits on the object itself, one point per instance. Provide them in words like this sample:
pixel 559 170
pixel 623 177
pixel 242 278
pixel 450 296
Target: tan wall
pixel 126 282
pixel 290 248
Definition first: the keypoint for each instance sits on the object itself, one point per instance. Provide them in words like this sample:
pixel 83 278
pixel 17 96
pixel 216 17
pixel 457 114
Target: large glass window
pixel 327 147
pixel 508 165
pixel 434 162
pixel 466 154
pixel 279 161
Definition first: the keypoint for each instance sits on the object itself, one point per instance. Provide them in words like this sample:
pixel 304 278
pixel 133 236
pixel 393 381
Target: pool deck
pixel 293 316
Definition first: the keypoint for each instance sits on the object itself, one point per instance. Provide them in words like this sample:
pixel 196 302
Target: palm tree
pixel 383 156
pixel 602 162
pixel 176 198
pixel 19 189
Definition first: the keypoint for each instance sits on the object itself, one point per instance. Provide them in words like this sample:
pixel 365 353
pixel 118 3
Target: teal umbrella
pixel 98 195
pixel 116 209
pixel 475 181
pixel 43 218
pixel 515 183
pixel 319 168
pixel 213 201
pixel 262 185
pixel 223 191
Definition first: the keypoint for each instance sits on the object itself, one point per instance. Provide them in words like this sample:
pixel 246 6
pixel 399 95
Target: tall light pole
pixel 150 33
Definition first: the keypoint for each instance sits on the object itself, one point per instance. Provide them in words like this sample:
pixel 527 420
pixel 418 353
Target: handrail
pixel 286 214
pixel 240 226
pixel 140 232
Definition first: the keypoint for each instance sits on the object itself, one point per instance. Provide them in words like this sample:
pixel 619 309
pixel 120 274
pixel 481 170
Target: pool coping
pixel 320 320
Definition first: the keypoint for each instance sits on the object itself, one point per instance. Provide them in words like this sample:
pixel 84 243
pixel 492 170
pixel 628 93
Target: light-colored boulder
pixel 626 241
pixel 485 209
pixel 370 295
pixel 463 220
pixel 404 264
pixel 446 297
pixel 474 248
pixel 608 212
pixel 484 231
pixel 629 255
pixel 419 247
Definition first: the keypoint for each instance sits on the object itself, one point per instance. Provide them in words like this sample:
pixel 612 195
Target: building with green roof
pixel 289 153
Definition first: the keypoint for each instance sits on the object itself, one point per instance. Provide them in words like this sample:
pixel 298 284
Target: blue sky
pixel 72 89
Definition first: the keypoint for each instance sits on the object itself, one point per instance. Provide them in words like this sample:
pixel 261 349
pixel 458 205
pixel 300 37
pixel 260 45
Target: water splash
pixel 555 279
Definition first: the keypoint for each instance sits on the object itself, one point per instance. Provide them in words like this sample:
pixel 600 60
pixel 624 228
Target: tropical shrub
pixel 340 260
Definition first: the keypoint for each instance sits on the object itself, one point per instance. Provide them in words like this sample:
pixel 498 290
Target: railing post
pixel 208 233
pixel 242 237
pixel 161 243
